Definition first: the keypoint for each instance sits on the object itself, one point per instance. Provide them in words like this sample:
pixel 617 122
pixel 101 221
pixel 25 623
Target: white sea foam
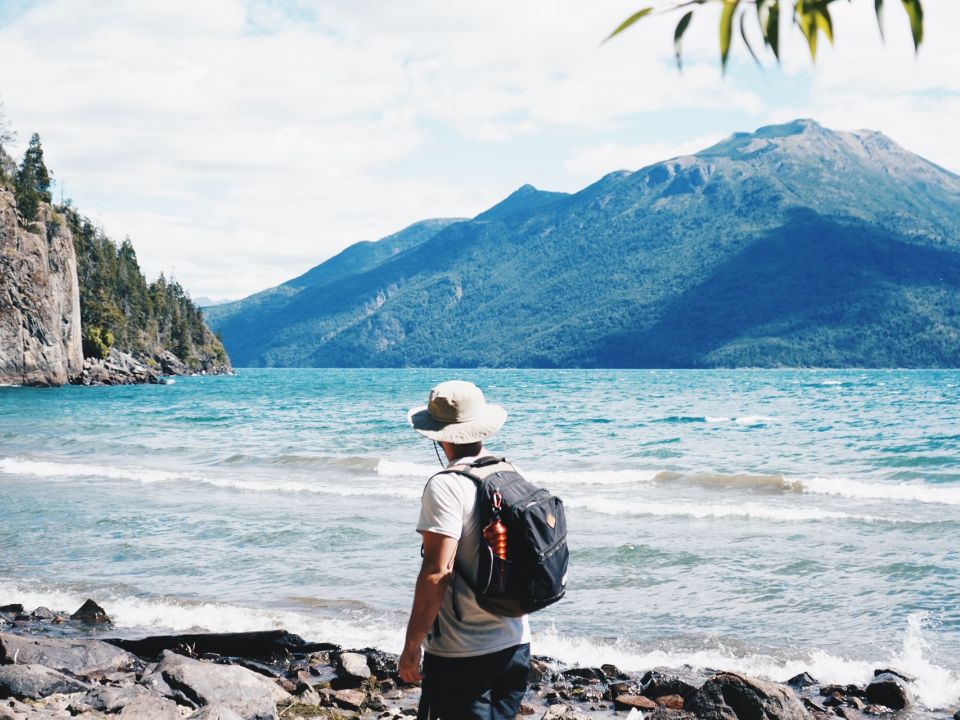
pixel 753 511
pixel 399 468
pixel 34 468
pixel 40 468
pixel 845 487
pixel 936 686
pixel 754 420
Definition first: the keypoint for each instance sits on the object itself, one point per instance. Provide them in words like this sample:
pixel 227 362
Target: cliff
pixel 40 336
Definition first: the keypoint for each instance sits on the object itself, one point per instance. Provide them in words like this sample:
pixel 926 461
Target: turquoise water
pixel 766 521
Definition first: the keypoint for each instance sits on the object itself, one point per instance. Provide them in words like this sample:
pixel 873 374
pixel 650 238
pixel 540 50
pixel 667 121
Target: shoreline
pixel 55 664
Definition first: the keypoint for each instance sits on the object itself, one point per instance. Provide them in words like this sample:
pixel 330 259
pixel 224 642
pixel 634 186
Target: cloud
pixel 243 142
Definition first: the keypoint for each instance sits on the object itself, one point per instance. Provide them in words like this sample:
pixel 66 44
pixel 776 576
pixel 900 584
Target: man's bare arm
pixel 439 552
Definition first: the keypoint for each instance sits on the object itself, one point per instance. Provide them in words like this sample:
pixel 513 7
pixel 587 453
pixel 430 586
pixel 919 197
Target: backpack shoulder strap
pixel 479 469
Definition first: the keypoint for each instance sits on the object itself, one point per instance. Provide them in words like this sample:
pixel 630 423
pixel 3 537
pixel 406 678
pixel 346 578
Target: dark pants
pixel 485 687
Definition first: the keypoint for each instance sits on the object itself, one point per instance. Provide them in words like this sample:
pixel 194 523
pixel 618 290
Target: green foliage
pixel 96 342
pixel 811 17
pixel 33 180
pixel 119 307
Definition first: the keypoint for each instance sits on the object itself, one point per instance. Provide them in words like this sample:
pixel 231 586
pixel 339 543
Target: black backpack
pixel 534 573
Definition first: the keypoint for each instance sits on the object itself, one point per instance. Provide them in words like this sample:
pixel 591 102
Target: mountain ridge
pixel 603 277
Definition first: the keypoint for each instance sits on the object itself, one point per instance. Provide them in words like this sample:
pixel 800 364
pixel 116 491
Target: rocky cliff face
pixel 40 336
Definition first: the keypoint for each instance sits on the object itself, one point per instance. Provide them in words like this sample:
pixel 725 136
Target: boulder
pixel 151 707
pixel 674 702
pixel 35 682
pixel 79 657
pixel 350 699
pixel 13 609
pixel 731 696
pixel 628 702
pixel 655 683
pixel 42 613
pixel 354 665
pixel 891 690
pixel 801 681
pixel 91 614
pixel 197 683
pixel 261 644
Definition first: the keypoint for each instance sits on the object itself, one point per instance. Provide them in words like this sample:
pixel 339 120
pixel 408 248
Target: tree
pixel 811 17
pixel 32 185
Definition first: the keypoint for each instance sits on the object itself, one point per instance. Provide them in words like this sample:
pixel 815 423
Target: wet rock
pixel 250 695
pixel 626 702
pixel 42 613
pixel 584 674
pixel 891 690
pixel 539 671
pixel 730 696
pixel 35 682
pixel 801 681
pixel 79 657
pixel 12 609
pixel 876 710
pixel 655 683
pixel 887 671
pixel 526 709
pixel 674 702
pixel 249 645
pixel 215 712
pixel 856 703
pixel 612 671
pixel 91 614
pixel 350 699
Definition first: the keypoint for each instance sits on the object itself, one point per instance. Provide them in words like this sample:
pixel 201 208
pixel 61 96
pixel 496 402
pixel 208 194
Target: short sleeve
pixel 441 508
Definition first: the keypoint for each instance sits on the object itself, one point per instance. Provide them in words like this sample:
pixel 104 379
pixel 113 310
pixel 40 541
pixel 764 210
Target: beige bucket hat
pixel 457 412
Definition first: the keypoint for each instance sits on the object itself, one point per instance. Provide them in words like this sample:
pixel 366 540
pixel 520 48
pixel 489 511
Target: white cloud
pixel 242 143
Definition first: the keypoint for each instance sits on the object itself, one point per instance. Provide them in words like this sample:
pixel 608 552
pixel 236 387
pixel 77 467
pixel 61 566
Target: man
pixel 476 663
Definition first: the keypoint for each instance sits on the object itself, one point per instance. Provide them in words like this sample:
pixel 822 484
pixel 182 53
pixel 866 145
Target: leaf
pixel 806 19
pixel 743 34
pixel 726 29
pixel 629 21
pixel 878 7
pixel 823 21
pixel 771 29
pixel 915 11
pixel 678 36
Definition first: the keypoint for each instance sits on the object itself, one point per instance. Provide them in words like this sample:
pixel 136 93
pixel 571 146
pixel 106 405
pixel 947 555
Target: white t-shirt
pixel 447 509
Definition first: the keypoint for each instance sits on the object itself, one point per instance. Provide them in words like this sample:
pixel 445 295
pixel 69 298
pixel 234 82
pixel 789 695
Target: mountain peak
pixel 524 198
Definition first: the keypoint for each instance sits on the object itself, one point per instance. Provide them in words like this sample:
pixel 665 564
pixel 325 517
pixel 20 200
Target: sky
pixel 240 142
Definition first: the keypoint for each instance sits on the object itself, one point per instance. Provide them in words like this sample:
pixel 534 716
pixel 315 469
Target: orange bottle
pixel 496 535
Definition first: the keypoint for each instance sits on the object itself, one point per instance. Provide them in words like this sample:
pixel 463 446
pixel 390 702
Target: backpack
pixel 534 573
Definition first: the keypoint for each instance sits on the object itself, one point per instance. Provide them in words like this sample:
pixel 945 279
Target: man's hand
pixel 410 664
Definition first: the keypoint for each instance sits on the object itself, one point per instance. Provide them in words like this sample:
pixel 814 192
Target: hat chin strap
pixel 436 446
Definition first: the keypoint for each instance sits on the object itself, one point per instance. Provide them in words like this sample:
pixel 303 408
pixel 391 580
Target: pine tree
pixel 33 180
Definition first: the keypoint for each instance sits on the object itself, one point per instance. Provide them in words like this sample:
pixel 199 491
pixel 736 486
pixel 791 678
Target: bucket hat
pixel 457 412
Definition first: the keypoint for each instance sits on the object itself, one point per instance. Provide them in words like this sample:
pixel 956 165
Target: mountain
pixel 794 245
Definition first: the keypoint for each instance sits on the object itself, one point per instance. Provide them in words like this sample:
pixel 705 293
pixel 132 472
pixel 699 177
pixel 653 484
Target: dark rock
pixel 843 690
pixel 42 613
pixel 623 688
pixel 539 671
pixel 35 682
pixel 674 702
pixel 730 696
pixel 584 673
pixel 626 702
pixel 612 671
pixel 257 667
pixel 656 683
pixel 350 699
pixel 526 709
pixel 856 702
pixel 801 681
pixel 251 645
pixel 91 614
pixel 247 693
pixel 813 707
pixel 834 699
pixel 956 715
pixel 13 609
pixel 890 690
pixel 895 673
pixel 79 657
pixel 877 710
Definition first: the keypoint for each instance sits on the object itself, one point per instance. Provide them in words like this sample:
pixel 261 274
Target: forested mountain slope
pixel 791 246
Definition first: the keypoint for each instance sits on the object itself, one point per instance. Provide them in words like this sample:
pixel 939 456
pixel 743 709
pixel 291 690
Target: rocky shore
pixel 120 368
pixel 59 665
